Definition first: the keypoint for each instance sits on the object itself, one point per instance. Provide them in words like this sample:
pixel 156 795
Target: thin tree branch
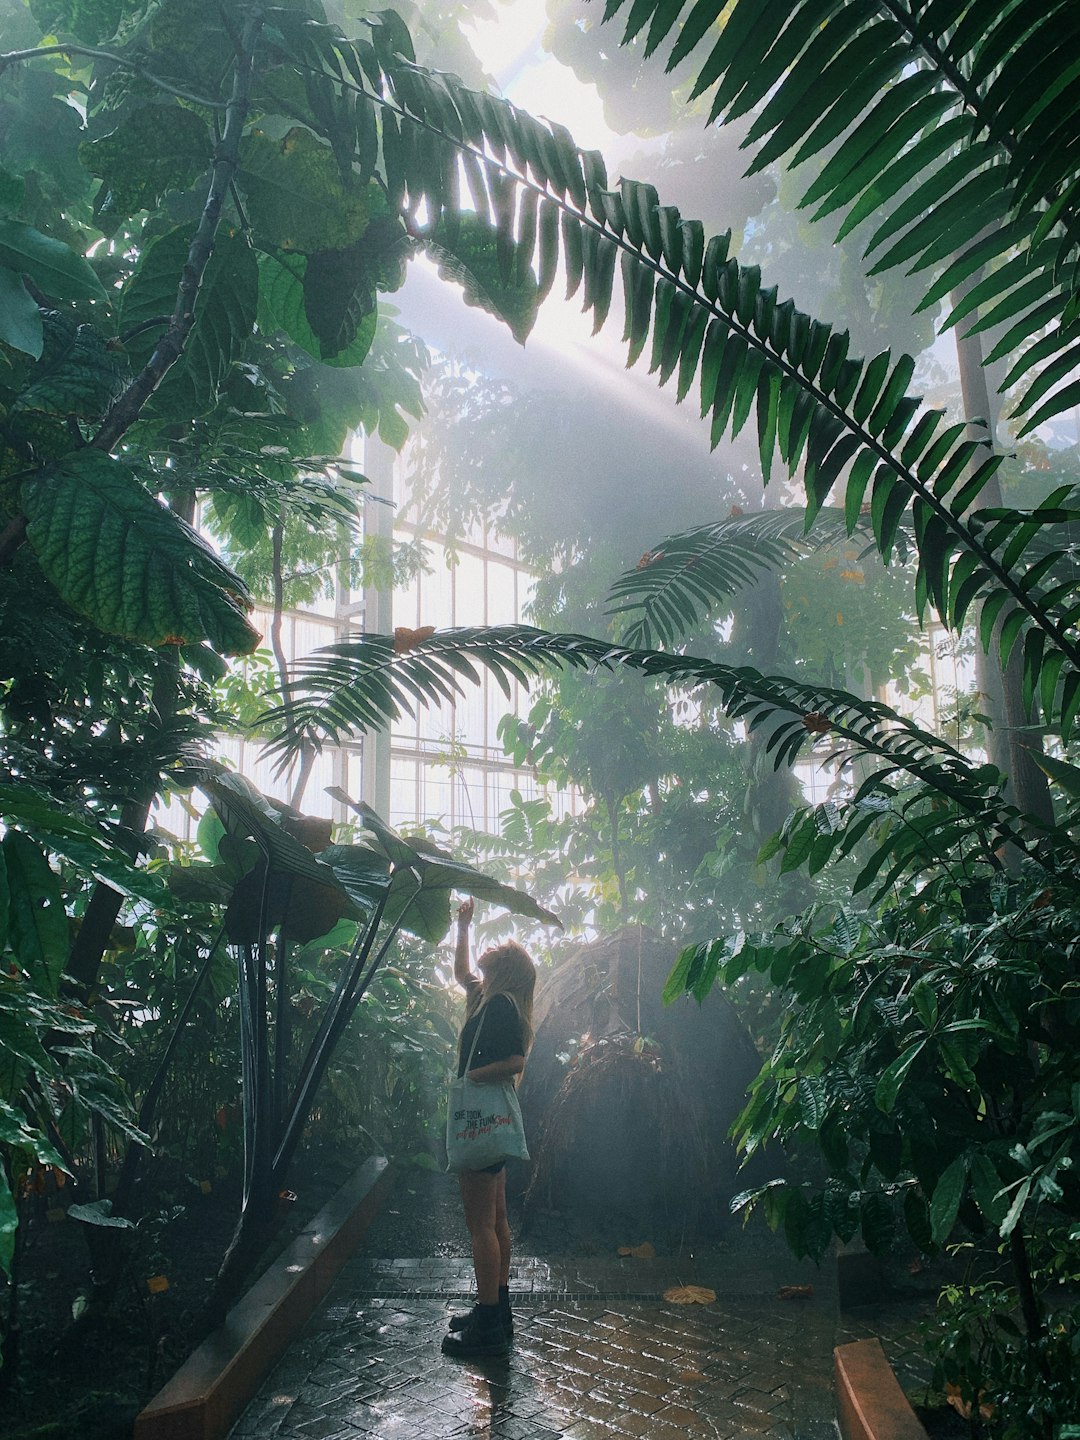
pixel 156 323
pixel 14 57
pixel 171 346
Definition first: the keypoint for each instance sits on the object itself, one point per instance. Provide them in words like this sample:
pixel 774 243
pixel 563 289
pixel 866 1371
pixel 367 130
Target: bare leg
pixel 502 1229
pixel 478 1192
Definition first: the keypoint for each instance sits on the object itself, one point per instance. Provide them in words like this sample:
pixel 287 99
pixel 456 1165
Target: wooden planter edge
pixel 210 1389
pixel 870 1404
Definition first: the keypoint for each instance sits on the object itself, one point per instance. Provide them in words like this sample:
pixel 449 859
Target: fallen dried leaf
pixel 406 639
pixel 689 1295
pixel 639 1252
pixel 691 1377
pixel 795 1292
pixel 157 1284
pixel 963 1407
pixel 816 723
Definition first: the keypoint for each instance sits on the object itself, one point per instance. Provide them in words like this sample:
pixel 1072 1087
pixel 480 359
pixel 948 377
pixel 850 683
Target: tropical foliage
pixel 955 155
pixel 199 210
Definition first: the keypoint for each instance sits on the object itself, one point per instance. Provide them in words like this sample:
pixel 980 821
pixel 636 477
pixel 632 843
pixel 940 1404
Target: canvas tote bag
pixel 483 1122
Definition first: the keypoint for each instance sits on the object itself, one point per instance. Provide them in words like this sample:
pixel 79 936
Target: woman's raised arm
pixel 462 969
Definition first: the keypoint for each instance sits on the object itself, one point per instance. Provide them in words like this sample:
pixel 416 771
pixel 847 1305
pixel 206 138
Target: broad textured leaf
pixel 471 258
pixel 282 306
pixel 128 564
pixel 945 1201
pixel 99 1212
pixel 9 1222
pixel 246 813
pixel 225 313
pixel 37 920
pixel 295 196
pixel 339 299
pixel 79 373
pixel 893 1077
pixel 4 900
pixel 76 839
pixel 153 150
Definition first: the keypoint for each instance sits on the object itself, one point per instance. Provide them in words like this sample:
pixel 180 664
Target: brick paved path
pixel 597 1354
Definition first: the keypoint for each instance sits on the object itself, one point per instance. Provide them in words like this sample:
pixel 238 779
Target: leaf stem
pixel 15 57
pixel 171 346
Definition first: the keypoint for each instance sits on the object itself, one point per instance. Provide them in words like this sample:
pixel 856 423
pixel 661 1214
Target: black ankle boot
pixel 482 1334
pixel 466 1317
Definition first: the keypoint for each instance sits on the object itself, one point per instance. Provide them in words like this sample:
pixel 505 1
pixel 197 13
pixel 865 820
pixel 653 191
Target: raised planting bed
pixel 870 1404
pixel 213 1385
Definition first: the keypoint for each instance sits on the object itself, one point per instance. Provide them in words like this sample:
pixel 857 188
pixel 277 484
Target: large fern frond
pixel 955 124
pixel 691 575
pixel 708 319
pixel 374 679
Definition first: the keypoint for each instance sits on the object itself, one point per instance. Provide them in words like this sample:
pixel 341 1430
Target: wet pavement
pixel 597 1353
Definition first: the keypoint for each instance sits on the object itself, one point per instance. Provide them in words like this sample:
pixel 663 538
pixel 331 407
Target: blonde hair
pixel 509 971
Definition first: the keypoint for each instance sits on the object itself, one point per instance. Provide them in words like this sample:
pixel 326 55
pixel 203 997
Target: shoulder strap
pixel 476 1037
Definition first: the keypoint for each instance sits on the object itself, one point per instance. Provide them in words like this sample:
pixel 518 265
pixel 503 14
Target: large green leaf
pixel 97 1087
pixel 37 919
pixel 282 306
pixel 5 894
pixel 424 877
pixel 945 1201
pixel 361 871
pixel 92 21
pixel 295 196
pixel 225 313
pixel 77 840
pixel 79 373
pixel 245 812
pixel 127 563
pixel 469 253
pixel 152 150
pixel 17 1131
pixel 9 1222
pixel 339 299
pixel 53 266
pixel 20 318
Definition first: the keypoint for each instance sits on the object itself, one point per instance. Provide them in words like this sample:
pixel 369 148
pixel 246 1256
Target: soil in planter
pixel 941 1422
pixel 91 1381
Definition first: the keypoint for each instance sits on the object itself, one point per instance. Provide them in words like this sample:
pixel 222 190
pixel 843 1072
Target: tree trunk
pixel 1014 746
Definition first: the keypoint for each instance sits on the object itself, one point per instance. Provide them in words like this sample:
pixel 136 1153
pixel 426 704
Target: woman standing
pixel 498 1003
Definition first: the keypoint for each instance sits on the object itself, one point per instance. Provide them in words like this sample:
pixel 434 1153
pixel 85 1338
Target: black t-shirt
pixel 501 1037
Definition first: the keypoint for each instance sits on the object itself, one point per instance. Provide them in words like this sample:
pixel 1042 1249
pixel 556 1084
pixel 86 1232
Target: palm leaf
pixel 976 106
pixel 366 683
pixel 841 419
pixel 689 576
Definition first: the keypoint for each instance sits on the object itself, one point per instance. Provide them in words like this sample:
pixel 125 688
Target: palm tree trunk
pixel 1016 738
